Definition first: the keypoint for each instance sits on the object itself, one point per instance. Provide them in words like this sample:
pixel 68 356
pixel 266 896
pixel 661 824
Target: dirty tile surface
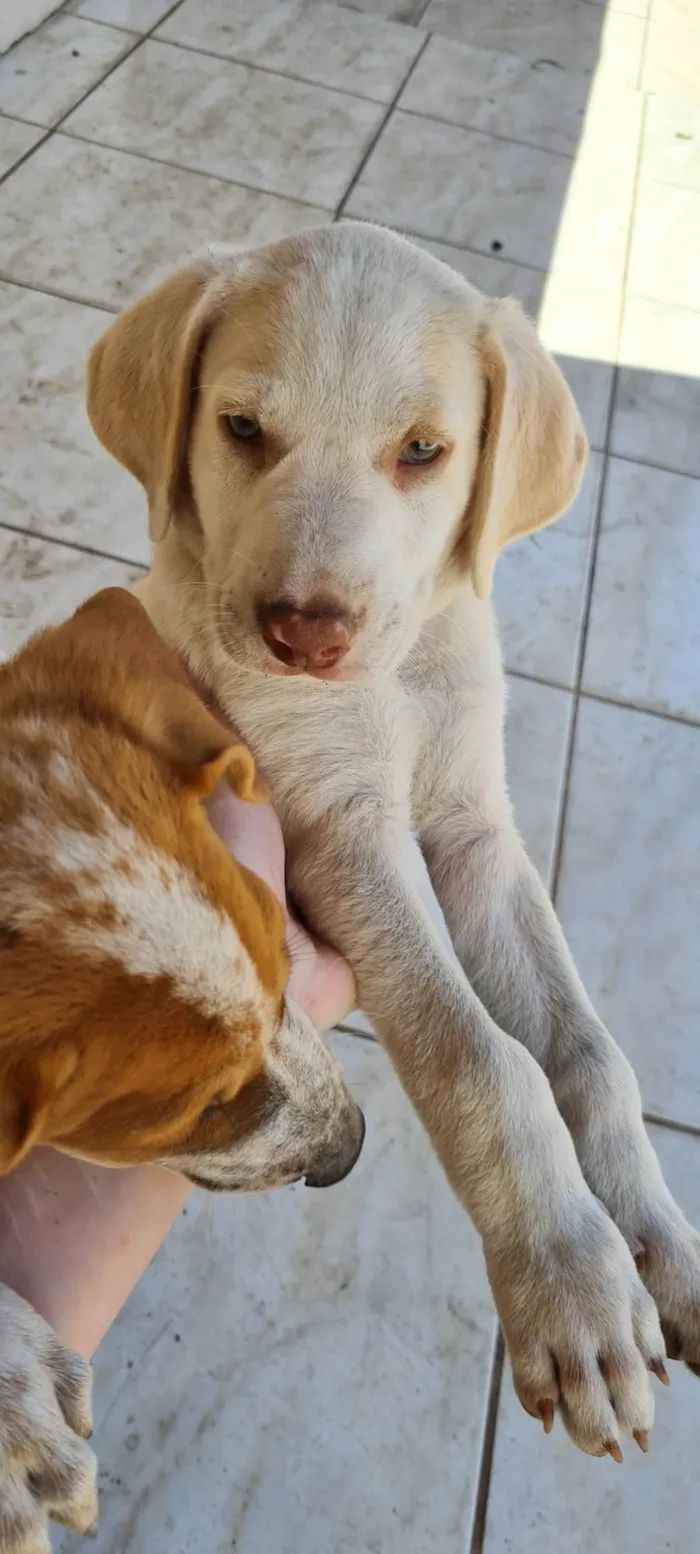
pixel 16 139
pixel 328 44
pixel 51 69
pixel 265 131
pixel 312 1371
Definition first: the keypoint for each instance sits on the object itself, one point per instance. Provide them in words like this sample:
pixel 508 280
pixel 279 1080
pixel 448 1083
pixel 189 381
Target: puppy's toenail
pixel 640 1262
pixel 659 1369
pixel 693 1366
pixel 545 1410
pixel 642 1439
pixel 613 1450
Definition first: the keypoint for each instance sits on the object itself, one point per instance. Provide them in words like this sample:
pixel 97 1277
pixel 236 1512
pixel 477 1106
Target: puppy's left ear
pixel 154 692
pixel 188 735
pixel 28 1097
pixel 533 445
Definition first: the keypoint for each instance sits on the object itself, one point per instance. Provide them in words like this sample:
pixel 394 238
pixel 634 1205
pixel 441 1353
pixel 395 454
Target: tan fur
pixel 344 344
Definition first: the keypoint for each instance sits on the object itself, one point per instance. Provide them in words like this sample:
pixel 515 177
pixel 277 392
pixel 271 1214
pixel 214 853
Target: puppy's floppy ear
pixel 533 448
pixel 29 1091
pixel 192 739
pixel 152 690
pixel 141 382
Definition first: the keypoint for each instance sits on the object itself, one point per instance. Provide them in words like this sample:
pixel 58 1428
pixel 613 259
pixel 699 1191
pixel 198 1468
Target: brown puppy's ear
pixel 28 1095
pixel 155 694
pixel 192 739
pixel 533 448
pixel 141 381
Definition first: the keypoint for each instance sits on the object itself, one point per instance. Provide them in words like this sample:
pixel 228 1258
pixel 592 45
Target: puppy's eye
pixel 420 452
pixel 244 428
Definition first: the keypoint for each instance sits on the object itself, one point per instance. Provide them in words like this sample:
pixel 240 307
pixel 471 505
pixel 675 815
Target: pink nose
pixel 316 636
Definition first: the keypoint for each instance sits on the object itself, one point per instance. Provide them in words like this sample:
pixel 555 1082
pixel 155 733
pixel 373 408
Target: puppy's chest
pixel 319 747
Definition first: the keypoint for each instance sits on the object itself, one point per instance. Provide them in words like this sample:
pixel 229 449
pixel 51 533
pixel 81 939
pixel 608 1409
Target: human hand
pixel 320 980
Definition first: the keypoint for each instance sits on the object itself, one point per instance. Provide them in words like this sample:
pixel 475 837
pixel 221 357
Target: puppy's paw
pixel 581 1330
pixel 667 1253
pixel 46 1468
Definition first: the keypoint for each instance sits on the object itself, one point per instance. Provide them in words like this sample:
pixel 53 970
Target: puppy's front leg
pixel 580 1328
pixel 511 946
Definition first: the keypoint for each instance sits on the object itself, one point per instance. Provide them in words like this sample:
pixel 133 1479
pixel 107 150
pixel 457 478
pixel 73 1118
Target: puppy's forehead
pixel 351 312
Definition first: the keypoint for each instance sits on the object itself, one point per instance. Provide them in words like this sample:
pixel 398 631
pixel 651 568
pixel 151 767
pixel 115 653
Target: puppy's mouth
pixel 340 674
pixel 208 1184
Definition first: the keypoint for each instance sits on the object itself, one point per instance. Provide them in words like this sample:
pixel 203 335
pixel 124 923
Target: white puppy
pixel 337 435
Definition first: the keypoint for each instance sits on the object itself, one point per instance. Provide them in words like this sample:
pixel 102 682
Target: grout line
pixel 340 208
pixel 558 850
pixel 195 172
pixel 594 548
pixel 74 545
pixel 476 1541
pixel 473 129
pixel 601 699
pixel 664 469
pixel 688 1128
pixel 53 129
pixel 278 75
pixel 353 1030
pixel 60 296
pixel 479 253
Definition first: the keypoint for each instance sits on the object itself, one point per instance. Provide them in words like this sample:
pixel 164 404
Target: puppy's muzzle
pixel 339 1163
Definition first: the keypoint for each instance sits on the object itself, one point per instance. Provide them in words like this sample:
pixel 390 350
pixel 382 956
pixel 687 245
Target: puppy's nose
pixel 334 1169
pixel 315 635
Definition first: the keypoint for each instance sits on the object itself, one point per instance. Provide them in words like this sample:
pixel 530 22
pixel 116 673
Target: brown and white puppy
pixel 142 974
pixel 142 1007
pixel 337 434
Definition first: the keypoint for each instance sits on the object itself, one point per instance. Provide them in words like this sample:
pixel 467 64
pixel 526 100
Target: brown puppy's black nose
pixel 315 635
pixel 329 1172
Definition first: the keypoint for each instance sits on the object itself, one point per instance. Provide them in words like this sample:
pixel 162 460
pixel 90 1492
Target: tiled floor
pixel 319 1373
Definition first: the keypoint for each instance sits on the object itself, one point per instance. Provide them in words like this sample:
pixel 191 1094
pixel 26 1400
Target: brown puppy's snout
pixel 338 1164
pixel 315 635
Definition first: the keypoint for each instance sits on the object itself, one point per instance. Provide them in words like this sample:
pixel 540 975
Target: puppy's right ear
pixel 141 383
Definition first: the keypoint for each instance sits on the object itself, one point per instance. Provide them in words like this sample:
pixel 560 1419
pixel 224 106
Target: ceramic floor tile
pixel 539 590
pixel 43 76
pixel 537 727
pixel 135 15
pixel 577 36
pixel 591 385
pixel 657 400
pixel 582 301
pixel 629 893
pixel 643 643
pixel 546 1495
pixel 464 187
pixel 683 12
pixel 56 479
pixel 41 584
pixel 232 121
pixel 672 60
pixel 671 140
pixel 16 139
pixel 328 1389
pixel 112 224
pixel 665 251
pixel 481 89
pixel 326 44
pixel 495 277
